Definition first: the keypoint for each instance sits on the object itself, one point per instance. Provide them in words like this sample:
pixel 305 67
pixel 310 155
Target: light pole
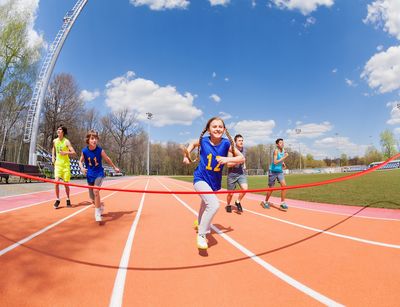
pixel 298 131
pixel 337 146
pixel 149 117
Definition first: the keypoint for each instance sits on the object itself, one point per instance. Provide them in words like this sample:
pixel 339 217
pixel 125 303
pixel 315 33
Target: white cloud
pixel 379 48
pixel 382 71
pixel 394 113
pixel 335 70
pixel 342 145
pixel 310 21
pixel 87 96
pixel 214 74
pixel 254 131
pixel 226 79
pixel 27 9
pixel 397 131
pixel 309 130
pixel 386 14
pixel 225 116
pixel 159 5
pixel 219 2
pixel 216 98
pixel 253 3
pixel 304 6
pixel 350 83
pixel 140 95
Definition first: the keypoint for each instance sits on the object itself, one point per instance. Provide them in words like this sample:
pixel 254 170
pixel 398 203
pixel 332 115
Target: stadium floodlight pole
pixel 337 146
pixel 32 121
pixel 298 131
pixel 149 117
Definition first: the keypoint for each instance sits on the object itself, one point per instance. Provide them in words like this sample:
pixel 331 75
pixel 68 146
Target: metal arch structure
pixel 32 121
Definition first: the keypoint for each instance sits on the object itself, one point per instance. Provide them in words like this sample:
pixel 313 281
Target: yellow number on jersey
pixel 208 167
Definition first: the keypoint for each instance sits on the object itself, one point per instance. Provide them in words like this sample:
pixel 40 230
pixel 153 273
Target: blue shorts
pixel 272 177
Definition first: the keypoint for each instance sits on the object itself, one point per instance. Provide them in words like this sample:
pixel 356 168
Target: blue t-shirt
pixel 277 168
pixel 209 170
pixel 93 163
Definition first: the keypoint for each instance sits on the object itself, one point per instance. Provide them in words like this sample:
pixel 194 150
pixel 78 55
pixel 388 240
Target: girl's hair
pixel 90 134
pixel 206 129
pixel 64 129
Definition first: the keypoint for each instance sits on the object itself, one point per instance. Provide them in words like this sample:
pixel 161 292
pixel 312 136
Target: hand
pixel 83 170
pixel 286 155
pixel 186 160
pixel 222 160
pixel 117 169
pixel 63 153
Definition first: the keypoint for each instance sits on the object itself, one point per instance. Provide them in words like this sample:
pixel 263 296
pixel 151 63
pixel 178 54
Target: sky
pixel 324 75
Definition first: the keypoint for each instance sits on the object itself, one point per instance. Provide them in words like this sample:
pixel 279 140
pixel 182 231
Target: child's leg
pixel 210 209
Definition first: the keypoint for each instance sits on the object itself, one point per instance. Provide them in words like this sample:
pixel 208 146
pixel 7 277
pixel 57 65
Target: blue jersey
pixel 93 163
pixel 277 168
pixel 209 170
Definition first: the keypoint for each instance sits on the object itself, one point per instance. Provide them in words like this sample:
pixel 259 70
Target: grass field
pixel 378 189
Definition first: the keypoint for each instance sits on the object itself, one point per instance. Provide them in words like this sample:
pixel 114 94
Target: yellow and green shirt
pixel 60 145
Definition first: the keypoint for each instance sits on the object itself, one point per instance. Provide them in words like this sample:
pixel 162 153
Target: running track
pixel 145 253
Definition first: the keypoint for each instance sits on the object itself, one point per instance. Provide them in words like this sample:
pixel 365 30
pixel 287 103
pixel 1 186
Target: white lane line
pixel 319 230
pixel 49 199
pixel 119 284
pixel 286 278
pixel 43 230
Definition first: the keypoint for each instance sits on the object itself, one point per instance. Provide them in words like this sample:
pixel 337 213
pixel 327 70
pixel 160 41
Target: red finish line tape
pixel 299 186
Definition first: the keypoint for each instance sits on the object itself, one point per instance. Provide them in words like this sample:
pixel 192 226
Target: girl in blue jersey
pixel 93 155
pixel 276 173
pixel 213 153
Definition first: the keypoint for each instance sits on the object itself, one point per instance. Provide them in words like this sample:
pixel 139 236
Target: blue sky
pixel 327 68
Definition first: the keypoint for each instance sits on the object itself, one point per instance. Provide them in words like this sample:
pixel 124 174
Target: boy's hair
pixel 90 134
pixel 277 141
pixel 206 129
pixel 64 129
pixel 238 136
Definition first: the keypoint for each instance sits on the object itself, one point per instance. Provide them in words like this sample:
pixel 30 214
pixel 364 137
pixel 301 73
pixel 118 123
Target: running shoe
pixel 69 204
pixel 239 206
pixel 284 206
pixel 228 208
pixel 101 209
pixel 56 204
pixel 265 204
pixel 202 242
pixel 97 215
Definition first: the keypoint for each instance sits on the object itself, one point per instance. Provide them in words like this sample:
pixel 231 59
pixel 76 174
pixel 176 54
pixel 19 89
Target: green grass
pixel 379 189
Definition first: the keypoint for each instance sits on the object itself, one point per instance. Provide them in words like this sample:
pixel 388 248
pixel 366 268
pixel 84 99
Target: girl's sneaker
pixel 202 242
pixel 101 209
pixel 284 206
pixel 97 215
pixel 265 204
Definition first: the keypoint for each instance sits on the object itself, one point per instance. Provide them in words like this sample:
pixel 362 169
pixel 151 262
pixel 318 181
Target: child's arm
pixel 239 158
pixel 276 160
pixel 53 154
pixel 83 170
pixel 108 160
pixel 188 150
pixel 71 150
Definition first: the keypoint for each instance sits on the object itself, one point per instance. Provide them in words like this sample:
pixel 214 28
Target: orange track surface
pixel 75 263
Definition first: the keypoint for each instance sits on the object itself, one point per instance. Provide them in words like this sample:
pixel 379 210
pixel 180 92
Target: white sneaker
pixel 202 242
pixel 101 209
pixel 97 215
